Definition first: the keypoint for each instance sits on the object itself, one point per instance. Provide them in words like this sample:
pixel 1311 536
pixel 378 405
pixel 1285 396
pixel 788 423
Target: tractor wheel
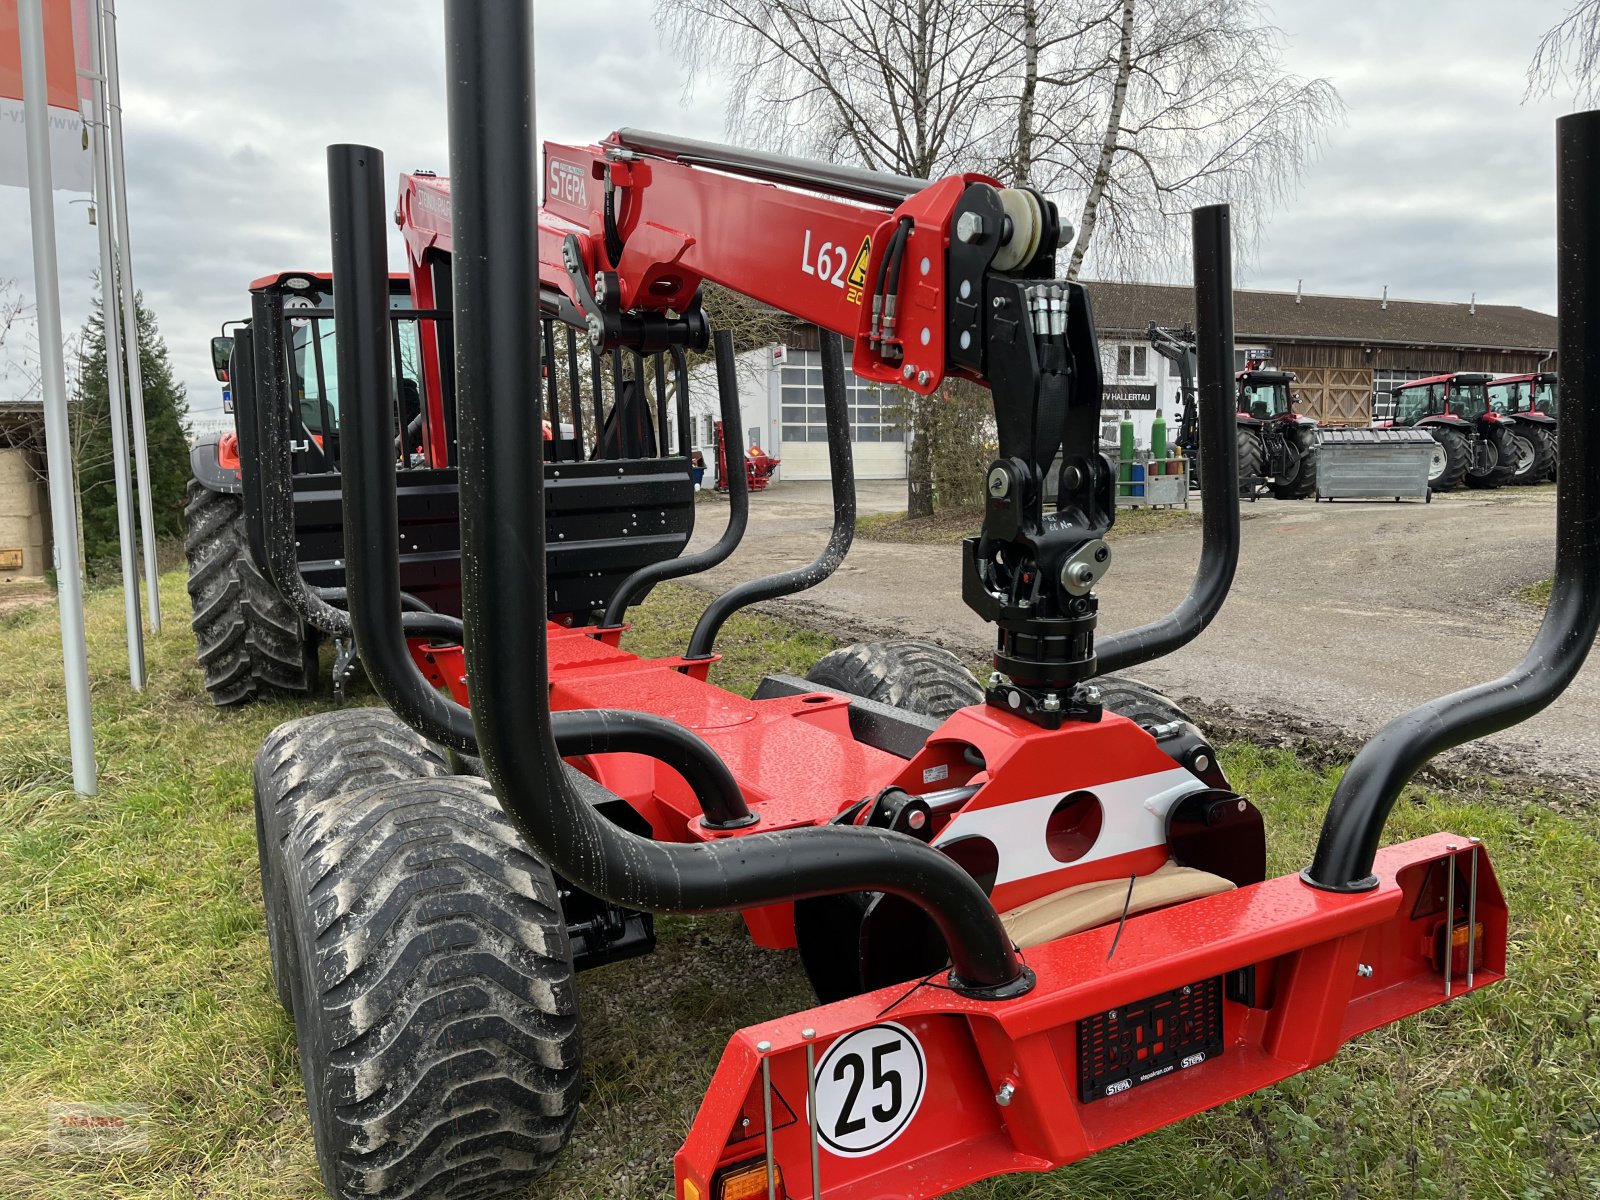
pixel 437 1011
pixel 1139 702
pixel 917 676
pixel 1451 455
pixel 248 638
pixel 300 769
pixel 1252 459
pixel 1303 482
pixel 1536 454
pixel 1502 449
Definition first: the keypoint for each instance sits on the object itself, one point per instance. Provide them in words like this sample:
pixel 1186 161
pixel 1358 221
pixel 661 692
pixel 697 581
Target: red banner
pixel 66 52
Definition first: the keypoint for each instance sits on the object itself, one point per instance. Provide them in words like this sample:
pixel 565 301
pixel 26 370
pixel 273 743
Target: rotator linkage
pixel 1033 568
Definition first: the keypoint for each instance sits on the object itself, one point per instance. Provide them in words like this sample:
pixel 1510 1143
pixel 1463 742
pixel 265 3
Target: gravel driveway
pixel 1341 615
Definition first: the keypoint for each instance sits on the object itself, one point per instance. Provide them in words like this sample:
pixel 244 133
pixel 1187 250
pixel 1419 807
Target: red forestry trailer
pixel 1037 926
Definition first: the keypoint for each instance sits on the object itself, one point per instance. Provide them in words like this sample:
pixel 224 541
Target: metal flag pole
pixel 58 448
pixel 130 316
pixel 112 321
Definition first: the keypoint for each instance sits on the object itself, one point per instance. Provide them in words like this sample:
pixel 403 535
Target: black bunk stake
pixel 489 74
pixel 1366 794
pixel 1219 458
pixel 841 467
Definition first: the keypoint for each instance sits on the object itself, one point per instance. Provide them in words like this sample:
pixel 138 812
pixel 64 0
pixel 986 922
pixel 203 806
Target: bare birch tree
pixel 1569 52
pixel 1148 108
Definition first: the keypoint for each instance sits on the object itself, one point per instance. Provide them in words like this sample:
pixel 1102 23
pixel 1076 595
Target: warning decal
pixel 858 272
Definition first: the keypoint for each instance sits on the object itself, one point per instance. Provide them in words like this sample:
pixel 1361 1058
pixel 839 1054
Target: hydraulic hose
pixel 489 74
pixel 1367 792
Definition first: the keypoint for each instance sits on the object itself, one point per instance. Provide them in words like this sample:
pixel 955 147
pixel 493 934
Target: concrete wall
pixel 23 518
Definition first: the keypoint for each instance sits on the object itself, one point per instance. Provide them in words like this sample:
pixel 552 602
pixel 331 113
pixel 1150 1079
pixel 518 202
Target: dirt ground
pixel 1341 615
pixel 17 594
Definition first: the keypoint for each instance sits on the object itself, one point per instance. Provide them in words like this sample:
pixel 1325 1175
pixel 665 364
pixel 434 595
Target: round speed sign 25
pixel 869 1085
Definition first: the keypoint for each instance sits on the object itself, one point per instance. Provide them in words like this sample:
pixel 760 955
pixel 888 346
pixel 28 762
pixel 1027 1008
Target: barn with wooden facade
pixel 1342 348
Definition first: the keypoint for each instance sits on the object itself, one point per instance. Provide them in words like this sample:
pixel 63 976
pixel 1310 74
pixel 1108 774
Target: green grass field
pixel 133 971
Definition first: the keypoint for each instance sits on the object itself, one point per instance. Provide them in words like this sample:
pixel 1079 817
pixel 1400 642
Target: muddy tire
pixel 1303 482
pixel 1448 466
pixel 917 676
pixel 249 641
pixel 1139 702
pixel 1502 460
pixel 437 1012
pixel 1536 454
pixel 301 768
pixel 1252 459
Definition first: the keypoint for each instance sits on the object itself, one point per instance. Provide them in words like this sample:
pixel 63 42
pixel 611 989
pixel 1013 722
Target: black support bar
pixel 1367 793
pixel 1219 458
pixel 841 467
pixel 489 80
pixel 738 497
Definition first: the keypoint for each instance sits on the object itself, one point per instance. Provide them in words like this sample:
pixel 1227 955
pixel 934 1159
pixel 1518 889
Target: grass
pixel 133 971
pixel 1536 594
pixel 948 526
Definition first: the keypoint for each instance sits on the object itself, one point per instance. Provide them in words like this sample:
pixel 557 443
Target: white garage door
pixel 878 443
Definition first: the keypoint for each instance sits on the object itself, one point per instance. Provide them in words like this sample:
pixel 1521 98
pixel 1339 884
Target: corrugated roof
pixel 1127 309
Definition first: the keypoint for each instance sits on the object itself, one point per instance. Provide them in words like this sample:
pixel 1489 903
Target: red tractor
pixel 1530 401
pixel 1037 918
pixel 1475 444
pixel 1276 444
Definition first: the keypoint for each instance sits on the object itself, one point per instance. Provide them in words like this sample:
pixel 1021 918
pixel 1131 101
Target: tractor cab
pixel 1529 402
pixel 1265 395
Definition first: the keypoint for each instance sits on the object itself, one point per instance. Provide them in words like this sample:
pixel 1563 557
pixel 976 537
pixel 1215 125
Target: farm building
pixel 1342 348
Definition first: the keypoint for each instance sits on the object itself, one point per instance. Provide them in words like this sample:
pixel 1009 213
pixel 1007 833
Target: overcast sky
pixel 1440 184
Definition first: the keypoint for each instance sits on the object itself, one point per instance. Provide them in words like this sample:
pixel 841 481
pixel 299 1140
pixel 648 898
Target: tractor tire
pixel 1139 702
pixel 1536 454
pixel 1303 482
pixel 917 676
pixel 249 641
pixel 1448 467
pixel 1252 459
pixel 1502 461
pixel 437 1012
pixel 301 768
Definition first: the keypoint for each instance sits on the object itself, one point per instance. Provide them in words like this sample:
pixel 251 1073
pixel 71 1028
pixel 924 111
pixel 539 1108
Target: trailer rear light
pixel 1172 1031
pixel 744 1181
pixel 1464 939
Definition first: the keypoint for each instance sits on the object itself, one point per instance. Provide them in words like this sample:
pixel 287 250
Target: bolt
pixel 599 287
pixel 908 372
pixel 763 1046
pixel 1008 1089
pixel 596 328
pixel 1364 970
pixel 808 1034
pixel 969 228
pixel 1202 761
pixel 999 483
pixel 1052 703
pixel 1080 575
pixel 1188 990
pixel 999 302
pixel 1091 695
pixel 916 818
pixel 1111 1015
pixel 923 377
pixel 995 679
pixel 1102 553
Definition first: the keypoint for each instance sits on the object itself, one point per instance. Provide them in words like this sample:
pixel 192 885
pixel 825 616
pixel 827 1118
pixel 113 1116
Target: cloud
pixel 1440 185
